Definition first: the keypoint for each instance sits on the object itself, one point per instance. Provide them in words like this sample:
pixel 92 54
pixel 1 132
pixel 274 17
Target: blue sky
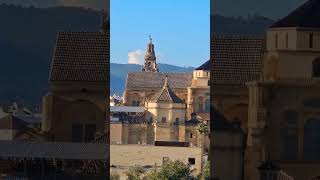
pixel 180 30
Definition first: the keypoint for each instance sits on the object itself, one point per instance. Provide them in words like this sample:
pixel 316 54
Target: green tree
pixel 114 176
pixel 205 173
pixel 135 173
pixel 171 170
pixel 203 129
pixel 206 170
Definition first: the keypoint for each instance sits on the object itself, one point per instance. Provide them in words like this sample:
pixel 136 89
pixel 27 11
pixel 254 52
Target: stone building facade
pixel 270 87
pixel 74 109
pixel 169 100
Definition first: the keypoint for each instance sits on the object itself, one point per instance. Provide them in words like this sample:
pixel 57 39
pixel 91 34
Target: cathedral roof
pixel 156 80
pixel 166 95
pixel 307 15
pixel 236 60
pixel 205 66
pixel 81 56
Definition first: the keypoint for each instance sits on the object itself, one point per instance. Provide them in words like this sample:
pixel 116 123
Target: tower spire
pixel 166 85
pixel 150 64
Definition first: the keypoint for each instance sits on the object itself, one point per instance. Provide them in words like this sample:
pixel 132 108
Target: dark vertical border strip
pixel 108 91
pixel 211 90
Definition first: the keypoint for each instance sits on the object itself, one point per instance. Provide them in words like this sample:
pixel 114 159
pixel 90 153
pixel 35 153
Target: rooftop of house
pixel 306 16
pixel 236 60
pixel 205 66
pixel 81 56
pixel 156 80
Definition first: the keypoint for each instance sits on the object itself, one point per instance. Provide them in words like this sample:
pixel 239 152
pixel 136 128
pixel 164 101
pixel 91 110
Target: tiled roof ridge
pixel 292 80
pixel 238 37
pixel 164 73
pixel 155 79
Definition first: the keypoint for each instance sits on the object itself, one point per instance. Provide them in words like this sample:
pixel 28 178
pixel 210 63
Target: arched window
pixel 134 103
pixel 311 146
pixel 200 104
pixel 207 109
pixel 164 120
pixel 316 67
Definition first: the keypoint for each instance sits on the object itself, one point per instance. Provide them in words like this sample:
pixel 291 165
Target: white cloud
pixel 135 57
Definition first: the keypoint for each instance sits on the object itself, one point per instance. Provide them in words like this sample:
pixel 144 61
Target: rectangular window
pixel 164 120
pixel 290 151
pixel 90 131
pixel 77 133
pixel 190 135
pixel 311 40
pixel 177 121
pixel 192 161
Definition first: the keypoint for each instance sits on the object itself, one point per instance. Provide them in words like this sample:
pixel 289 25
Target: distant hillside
pixel 27 40
pixel 271 8
pixel 252 26
pixel 118 74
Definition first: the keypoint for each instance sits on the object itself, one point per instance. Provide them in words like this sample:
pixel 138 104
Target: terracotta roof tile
pixel 166 95
pixel 81 56
pixel 236 60
pixel 156 80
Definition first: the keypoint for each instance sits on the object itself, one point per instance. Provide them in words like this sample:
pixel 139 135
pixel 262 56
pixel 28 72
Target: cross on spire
pixel 150 38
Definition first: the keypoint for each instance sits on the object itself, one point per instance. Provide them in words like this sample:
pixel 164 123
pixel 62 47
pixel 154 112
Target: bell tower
pixel 150 62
